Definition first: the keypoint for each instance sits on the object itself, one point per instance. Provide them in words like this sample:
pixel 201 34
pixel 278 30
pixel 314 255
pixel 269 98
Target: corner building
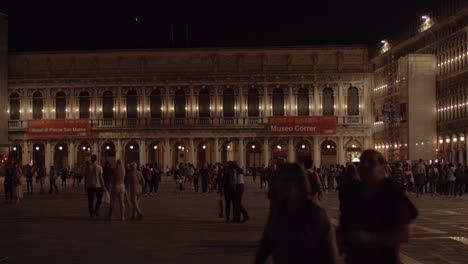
pixel 191 105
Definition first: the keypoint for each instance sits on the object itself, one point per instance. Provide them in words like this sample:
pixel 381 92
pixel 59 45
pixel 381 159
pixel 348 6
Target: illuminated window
pixel 204 102
pixel 14 106
pixel 353 101
pixel 38 105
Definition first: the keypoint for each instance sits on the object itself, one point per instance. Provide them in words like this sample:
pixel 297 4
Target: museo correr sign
pixel 301 125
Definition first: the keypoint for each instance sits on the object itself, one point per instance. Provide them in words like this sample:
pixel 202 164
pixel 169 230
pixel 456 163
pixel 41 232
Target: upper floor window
pixel 228 103
pixel 278 102
pixel 179 103
pixel 132 104
pixel 353 101
pixel 38 105
pixel 253 103
pixel 84 104
pixel 328 102
pixel 204 103
pixel 156 103
pixel 14 106
pixel 303 102
pixel 60 105
pixel 108 105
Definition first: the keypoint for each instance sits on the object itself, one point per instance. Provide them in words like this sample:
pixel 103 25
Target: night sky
pixel 68 26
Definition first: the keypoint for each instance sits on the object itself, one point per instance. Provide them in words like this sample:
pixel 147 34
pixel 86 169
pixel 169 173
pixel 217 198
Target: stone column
pixel 167 154
pixel 291 150
pixel 4 84
pixel 192 151
pixel 217 153
pixel 241 153
pixel 466 149
pixel 48 156
pixel 316 154
pixel 317 102
pixel 292 105
pixel 143 152
pixel 341 151
pixel 96 151
pixel 266 152
pixel 71 155
pixel 118 150
pixel 266 105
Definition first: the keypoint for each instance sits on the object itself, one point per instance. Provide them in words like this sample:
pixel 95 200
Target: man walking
pixel 53 180
pixel 94 183
pixel 420 180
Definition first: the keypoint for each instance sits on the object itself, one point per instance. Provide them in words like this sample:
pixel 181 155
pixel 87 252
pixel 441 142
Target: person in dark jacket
pixel 8 183
pixel 107 172
pixel 204 176
pixel 459 180
pixel 298 229
pixel 229 189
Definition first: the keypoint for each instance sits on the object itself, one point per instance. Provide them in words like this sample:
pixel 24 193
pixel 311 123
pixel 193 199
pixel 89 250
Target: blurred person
pixel 17 182
pixel 451 179
pixel 420 178
pixel 240 188
pixel 135 183
pixel 41 174
pixel 380 217
pixel 459 180
pixel 53 180
pixel 117 190
pixel 107 173
pixel 314 180
pixel 433 179
pixel 298 229
pixel 204 176
pixel 95 188
pixel 8 182
pixel 29 178
pixel 155 178
pixel 64 176
pixel 229 190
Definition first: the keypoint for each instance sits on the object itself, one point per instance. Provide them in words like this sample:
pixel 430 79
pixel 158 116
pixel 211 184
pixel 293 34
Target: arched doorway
pixel 180 153
pixel 61 156
pixel 83 153
pixel 254 155
pixel 279 151
pixel 108 153
pixel 15 153
pixel 353 151
pixel 156 154
pixel 328 153
pixel 228 152
pixel 205 153
pixel 38 155
pixel 132 153
pixel 303 151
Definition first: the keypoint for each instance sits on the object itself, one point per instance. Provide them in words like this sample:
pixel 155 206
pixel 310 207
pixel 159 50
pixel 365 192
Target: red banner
pixel 302 125
pixel 58 128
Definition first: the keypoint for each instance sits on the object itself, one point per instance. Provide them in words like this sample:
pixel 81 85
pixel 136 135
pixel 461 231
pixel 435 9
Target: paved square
pixel 184 228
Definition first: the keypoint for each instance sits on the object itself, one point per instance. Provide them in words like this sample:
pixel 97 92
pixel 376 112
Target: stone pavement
pixel 184 228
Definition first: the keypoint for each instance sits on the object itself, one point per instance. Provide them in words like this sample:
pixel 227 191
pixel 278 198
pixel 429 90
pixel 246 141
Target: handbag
pixel 106 197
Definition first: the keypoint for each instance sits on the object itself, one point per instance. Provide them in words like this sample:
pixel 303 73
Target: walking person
pixel 459 180
pixel 148 174
pixel 155 177
pixel 196 180
pixel 314 180
pixel 420 179
pixel 117 190
pixel 94 183
pixel 229 189
pixel 254 173
pixel 434 179
pixel 17 182
pixel 64 176
pixel 53 180
pixel 41 174
pixel 239 191
pixel 29 179
pixel 135 183
pixel 107 173
pixel 380 217
pixel 298 229
pixel 8 183
pixel 451 179
pixel 204 176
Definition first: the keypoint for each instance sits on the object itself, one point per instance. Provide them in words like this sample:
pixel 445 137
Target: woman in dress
pixel 117 190
pixel 135 182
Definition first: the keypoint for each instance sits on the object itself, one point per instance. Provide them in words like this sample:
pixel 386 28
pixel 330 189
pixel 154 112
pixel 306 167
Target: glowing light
pixel 353 146
pixel 278 147
pixel 383 41
pixel 37 148
pixel 303 146
pixel 60 148
pixel 14 148
pixel 447 140
pixel 131 147
pixel 328 146
pixel 424 17
pixel 107 147
pixel 84 148
pixel 155 147
pixel 179 147
pixel 253 146
pixel 462 138
pixel 454 139
pixel 229 147
pixel 441 141
pixel 203 147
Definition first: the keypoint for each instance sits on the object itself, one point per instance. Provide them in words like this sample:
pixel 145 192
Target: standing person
pixel 239 208
pixel 204 176
pixel 443 180
pixel 29 178
pixel 434 179
pixel 254 173
pixel 298 229
pixel 148 174
pixel 155 177
pixel 117 190
pixel 451 179
pixel 380 217
pixel 314 180
pixel 107 173
pixel 53 180
pixel 196 180
pixel 64 176
pixel 94 183
pixel 135 182
pixel 17 182
pixel 8 183
pixel 266 172
pixel 420 179
pixel 229 189
pixel 41 174
pixel 397 175
pixel 459 180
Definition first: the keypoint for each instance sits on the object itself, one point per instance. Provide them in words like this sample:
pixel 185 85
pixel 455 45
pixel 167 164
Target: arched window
pixel 132 104
pixel 328 102
pixel 278 102
pixel 353 101
pixel 303 102
pixel 38 105
pixel 84 104
pixel 179 103
pixel 107 105
pixel 253 103
pixel 60 105
pixel 14 106
pixel 228 103
pixel 204 103
pixel 155 103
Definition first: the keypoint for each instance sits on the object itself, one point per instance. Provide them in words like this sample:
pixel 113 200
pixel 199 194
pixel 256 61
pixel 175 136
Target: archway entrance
pixel 328 152
pixel 254 155
pixel 38 155
pixel 156 154
pixel 15 153
pixel 83 153
pixel 108 153
pixel 180 153
pixel 228 152
pixel 205 154
pixel 61 156
pixel 303 151
pixel 132 153
pixel 279 151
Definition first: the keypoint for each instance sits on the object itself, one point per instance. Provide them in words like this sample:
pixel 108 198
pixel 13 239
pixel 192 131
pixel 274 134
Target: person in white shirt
pixel 94 184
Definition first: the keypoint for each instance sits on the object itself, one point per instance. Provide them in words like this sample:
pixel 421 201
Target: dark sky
pixel 46 25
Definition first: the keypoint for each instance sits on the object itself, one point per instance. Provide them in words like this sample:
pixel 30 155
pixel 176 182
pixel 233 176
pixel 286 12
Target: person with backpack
pixel 314 180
